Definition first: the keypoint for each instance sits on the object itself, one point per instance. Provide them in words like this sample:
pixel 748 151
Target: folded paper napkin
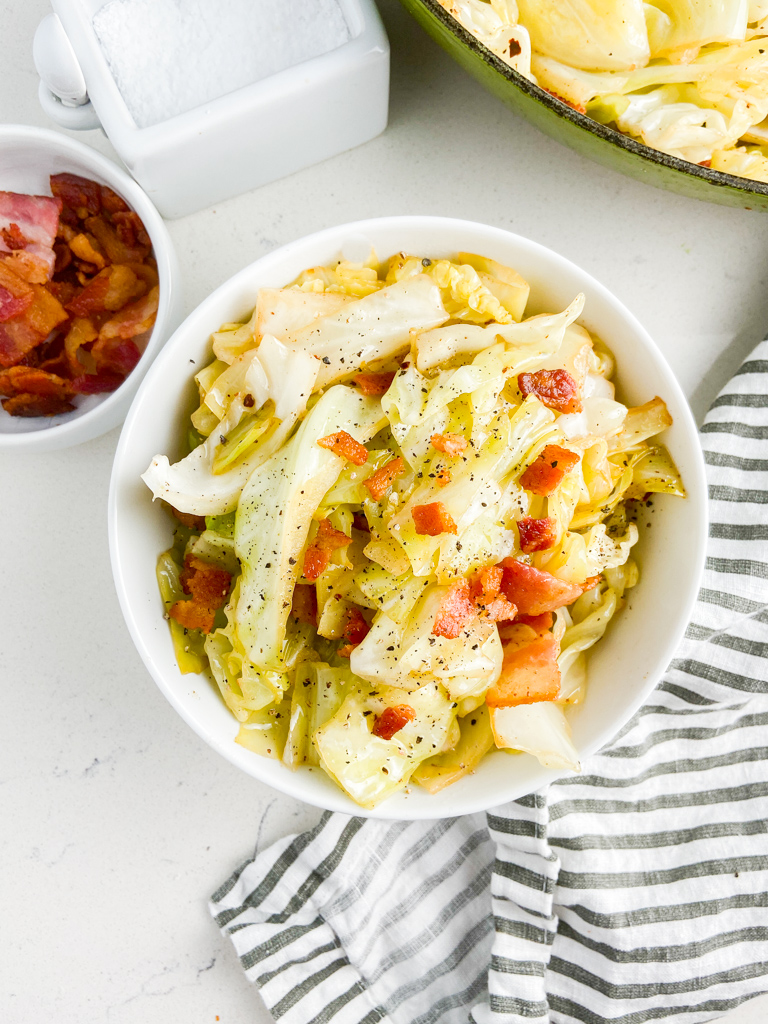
pixel 634 892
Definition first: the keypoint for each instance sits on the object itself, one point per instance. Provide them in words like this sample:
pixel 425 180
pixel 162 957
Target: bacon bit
pixel 455 611
pixel 13 305
pixel 360 522
pixel 116 355
pixel 343 444
pixel 81 194
pixel 97 383
pixel 498 610
pixel 449 444
pixel 529 674
pixel 545 474
pixel 379 482
pixel 318 554
pixel 374 383
pixel 304 604
pixel 590 582
pixel 13 237
pixel 443 477
pixel 136 318
pixel 536 534
pixel 27 380
pixel 112 244
pixel 392 720
pixel 316 561
pixel 356 629
pixel 209 589
pixel 705 163
pixel 112 288
pixel 541 623
pixel 188 519
pixel 84 247
pixel 554 388
pixel 487 583
pixel 535 591
pixel 82 332
pixel 36 405
pixel 433 519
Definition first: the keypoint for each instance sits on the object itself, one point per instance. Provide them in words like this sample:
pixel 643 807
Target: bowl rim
pixel 719 179
pixel 77 429
pixel 289 782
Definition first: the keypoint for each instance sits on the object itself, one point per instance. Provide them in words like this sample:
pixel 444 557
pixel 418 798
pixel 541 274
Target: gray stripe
pixel 574 972
pixel 713 674
pixel 524 930
pixel 427 841
pixel 296 994
pixel 752 366
pixel 689 696
pixel 740 566
pixel 369 872
pixel 478 888
pixel 525 968
pixel 463 998
pixel 276 872
pixel 737 429
pixel 593 805
pixel 741 401
pixel 719 492
pixel 666 914
pixel 657 840
pixel 696 632
pixel 738 531
pixel 226 887
pixel 277 942
pixel 678 767
pixel 513 826
pixel 572 1010
pixel 521 1007
pixel 319 873
pixel 264 979
pixel 523 876
pixel 733 602
pixel 659 709
pixel 664 954
pixel 736 462
pixel 695 732
pixel 659 876
pixel 467 945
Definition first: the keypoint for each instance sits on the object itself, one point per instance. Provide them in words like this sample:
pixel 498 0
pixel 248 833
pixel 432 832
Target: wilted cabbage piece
pixel 599 35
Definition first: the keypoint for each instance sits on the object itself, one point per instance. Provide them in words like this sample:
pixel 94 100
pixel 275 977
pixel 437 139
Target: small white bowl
pixel 28 156
pixel 623 668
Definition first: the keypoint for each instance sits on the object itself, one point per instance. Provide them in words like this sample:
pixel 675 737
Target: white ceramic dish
pixel 28 156
pixel 237 142
pixel 641 640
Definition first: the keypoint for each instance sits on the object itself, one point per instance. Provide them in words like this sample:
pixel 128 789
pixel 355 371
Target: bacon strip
pixel 392 720
pixel 209 589
pixel 449 444
pixel 374 383
pixel 535 591
pixel 433 519
pixel 455 611
pixel 545 474
pixel 344 445
pixel 536 534
pixel 554 388
pixel 529 674
pixel 379 482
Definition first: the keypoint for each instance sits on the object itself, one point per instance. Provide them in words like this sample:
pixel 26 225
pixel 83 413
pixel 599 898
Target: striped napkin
pixel 634 892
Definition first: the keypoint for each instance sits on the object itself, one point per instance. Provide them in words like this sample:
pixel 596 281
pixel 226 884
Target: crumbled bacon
pixel 433 519
pixel 379 482
pixel 536 534
pixel 497 610
pixel 356 628
pixel 13 237
pixel 17 380
pixel 98 383
pixel 188 519
pixel 392 720
pixel 374 383
pixel 81 195
pixel 554 388
pixel 540 623
pixel 304 604
pixel 533 590
pixel 12 305
pixel 136 318
pixel 208 587
pixel 449 444
pixel 344 445
pixel 318 554
pixel 28 404
pixel 529 674
pixel 487 582
pixel 545 474
pixel 456 610
pixel 443 477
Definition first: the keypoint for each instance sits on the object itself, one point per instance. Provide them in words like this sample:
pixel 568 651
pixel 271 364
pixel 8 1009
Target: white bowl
pixel 640 642
pixel 28 156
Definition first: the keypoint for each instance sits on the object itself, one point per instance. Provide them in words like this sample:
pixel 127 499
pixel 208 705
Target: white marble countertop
pixel 117 820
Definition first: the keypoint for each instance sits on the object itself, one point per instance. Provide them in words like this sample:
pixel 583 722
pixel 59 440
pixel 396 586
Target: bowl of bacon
pixel 88 290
